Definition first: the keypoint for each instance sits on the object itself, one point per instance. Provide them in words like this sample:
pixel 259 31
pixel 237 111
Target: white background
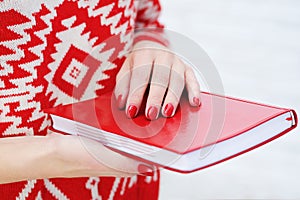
pixel 255 45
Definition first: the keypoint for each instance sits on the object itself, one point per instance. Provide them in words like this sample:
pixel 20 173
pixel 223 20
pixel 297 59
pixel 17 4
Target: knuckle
pixel 123 75
pixel 189 71
pixel 175 93
pixel 160 81
pixel 141 53
pixel 139 83
pixel 138 86
pixel 194 85
pixel 173 98
pixel 142 76
pixel 178 67
pixel 165 58
pixel 141 71
pixel 135 97
pixel 156 98
pixel 177 76
pixel 119 77
pixel 176 60
pixel 168 55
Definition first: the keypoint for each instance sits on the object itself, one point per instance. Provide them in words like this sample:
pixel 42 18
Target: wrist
pixel 71 158
pixel 151 34
pixel 42 163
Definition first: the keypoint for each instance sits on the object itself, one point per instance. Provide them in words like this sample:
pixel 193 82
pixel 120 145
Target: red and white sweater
pixel 57 52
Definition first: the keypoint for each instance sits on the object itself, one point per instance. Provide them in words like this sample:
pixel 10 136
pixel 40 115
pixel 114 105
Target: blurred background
pixel 255 45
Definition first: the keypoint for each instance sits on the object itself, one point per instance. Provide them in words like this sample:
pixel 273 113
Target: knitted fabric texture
pixel 59 52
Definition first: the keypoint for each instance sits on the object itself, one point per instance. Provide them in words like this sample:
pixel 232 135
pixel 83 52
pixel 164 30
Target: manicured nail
pixel 145 170
pixel 132 111
pixel 168 111
pixel 119 102
pixel 152 113
pixel 196 101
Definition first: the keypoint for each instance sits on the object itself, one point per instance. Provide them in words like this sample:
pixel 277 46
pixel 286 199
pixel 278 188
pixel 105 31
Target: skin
pixel 56 155
pixel 167 75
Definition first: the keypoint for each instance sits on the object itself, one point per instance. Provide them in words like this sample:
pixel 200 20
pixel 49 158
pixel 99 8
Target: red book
pixel 195 138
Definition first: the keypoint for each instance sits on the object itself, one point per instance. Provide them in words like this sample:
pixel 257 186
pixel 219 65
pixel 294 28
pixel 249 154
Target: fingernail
pixel 196 101
pixel 152 113
pixel 145 170
pixel 119 101
pixel 168 111
pixel 132 111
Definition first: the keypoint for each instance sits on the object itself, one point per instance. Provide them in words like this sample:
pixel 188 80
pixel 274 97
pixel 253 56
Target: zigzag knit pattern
pixel 59 52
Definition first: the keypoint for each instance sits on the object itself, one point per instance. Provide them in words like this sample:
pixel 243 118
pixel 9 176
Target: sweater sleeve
pixel 147 25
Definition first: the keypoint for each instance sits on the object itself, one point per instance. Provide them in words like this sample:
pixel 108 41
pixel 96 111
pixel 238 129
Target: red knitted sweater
pixel 57 52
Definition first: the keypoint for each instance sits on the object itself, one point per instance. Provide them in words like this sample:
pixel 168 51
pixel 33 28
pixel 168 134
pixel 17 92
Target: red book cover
pixel 193 139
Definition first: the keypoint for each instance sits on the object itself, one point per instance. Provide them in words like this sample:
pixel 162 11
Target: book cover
pixel 195 138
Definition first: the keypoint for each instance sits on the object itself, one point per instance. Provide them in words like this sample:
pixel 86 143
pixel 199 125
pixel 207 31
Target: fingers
pixel 193 87
pixel 159 84
pixel 122 83
pixel 140 76
pixel 176 86
pixel 110 162
pixel 167 75
pixel 95 159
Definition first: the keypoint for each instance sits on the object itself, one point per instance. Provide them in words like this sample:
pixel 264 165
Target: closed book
pixel 195 138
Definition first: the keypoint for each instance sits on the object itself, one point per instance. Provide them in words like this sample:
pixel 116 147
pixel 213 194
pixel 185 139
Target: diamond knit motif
pixel 59 52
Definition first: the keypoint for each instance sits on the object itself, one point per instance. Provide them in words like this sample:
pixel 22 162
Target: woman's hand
pixel 65 156
pixel 87 157
pixel 152 63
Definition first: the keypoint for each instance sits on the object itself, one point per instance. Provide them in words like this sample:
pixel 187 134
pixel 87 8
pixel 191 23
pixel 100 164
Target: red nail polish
pixel 132 111
pixel 196 101
pixel 145 170
pixel 119 102
pixel 168 111
pixel 152 113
